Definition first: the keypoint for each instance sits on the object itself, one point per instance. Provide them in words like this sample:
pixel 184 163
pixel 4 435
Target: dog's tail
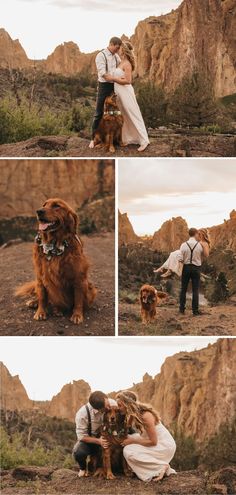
pixel 162 295
pixel 28 289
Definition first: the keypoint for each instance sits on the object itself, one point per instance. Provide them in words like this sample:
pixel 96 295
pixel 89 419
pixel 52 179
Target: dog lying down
pixel 109 131
pixel 61 267
pixel 150 298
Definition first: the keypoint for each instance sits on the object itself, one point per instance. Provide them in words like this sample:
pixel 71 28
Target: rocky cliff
pixel 25 184
pixel 190 390
pixel 199 35
pixel 11 52
pixel 12 393
pixel 126 231
pixel 224 235
pixel 196 390
pixel 67 402
pixel 171 235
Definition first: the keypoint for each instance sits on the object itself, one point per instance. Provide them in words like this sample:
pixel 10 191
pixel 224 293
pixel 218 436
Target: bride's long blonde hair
pixel 128 51
pixel 205 236
pixel 135 409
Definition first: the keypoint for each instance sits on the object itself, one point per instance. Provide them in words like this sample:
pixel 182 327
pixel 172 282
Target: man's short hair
pixel 115 41
pixel 97 400
pixel 192 232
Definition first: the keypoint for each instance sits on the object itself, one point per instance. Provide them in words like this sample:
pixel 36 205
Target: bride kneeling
pixel 149 452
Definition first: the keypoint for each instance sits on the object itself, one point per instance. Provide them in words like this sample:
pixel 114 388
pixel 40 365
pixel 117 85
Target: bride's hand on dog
pixel 127 441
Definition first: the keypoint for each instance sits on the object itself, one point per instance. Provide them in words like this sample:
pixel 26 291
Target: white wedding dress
pixel 148 462
pixel 134 130
pixel 173 263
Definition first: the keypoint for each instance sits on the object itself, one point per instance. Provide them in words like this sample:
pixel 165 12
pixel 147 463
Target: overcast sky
pixel 41 25
pixel 153 191
pixel 46 364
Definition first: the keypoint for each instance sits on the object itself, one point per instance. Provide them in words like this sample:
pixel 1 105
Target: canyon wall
pixel 224 235
pixel 26 184
pixel 126 231
pixel 194 390
pixel 171 235
pixel 199 35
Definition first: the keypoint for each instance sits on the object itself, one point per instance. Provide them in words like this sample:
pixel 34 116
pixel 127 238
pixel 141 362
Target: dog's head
pixel 114 422
pixel 148 294
pixel 56 215
pixel 110 103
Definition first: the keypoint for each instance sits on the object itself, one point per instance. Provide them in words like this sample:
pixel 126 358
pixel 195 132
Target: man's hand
pixel 104 443
pixel 108 77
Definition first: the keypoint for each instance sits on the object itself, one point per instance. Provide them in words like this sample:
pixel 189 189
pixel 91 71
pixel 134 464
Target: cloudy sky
pixel 201 191
pixel 44 365
pixel 41 25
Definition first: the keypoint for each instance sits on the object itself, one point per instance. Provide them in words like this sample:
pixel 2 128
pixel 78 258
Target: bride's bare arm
pixel 150 428
pixel 206 250
pixel 126 79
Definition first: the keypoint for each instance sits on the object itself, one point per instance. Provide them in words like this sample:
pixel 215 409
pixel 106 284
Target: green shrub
pixel 220 450
pixel 81 117
pixel 152 102
pixel 186 456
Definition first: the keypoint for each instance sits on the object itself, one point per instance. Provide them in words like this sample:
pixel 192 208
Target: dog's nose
pixel 39 212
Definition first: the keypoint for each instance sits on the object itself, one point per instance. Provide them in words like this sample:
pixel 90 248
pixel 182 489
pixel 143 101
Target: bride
pixel 134 130
pixel 173 265
pixel 149 452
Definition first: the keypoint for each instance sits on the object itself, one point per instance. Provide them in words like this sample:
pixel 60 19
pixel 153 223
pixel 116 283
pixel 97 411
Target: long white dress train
pixel 172 263
pixel 147 462
pixel 134 130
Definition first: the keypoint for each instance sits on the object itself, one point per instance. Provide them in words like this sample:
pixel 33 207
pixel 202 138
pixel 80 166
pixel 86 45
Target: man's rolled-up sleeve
pixel 101 64
pixel 81 425
pixel 180 255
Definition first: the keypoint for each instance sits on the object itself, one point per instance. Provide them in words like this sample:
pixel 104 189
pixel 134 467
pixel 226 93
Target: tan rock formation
pixel 71 397
pixel 195 390
pixel 13 395
pixel 25 184
pixel 67 59
pixel 198 35
pixel 171 235
pixel 126 231
pixel 11 52
pixel 224 235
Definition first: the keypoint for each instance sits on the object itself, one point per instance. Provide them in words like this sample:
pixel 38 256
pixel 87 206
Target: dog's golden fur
pixel 61 282
pixel 149 300
pixel 109 131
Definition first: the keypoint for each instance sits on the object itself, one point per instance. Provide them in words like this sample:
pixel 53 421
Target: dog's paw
pixel 77 318
pixel 112 149
pixel 99 473
pixel 40 315
pixel 110 476
pixel 32 303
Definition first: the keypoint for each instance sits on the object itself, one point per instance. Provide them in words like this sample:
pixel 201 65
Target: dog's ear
pixel 73 222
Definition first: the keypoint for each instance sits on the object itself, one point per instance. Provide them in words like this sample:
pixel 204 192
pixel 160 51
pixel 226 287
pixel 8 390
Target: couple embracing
pixel 186 262
pixel 115 66
pixel 149 447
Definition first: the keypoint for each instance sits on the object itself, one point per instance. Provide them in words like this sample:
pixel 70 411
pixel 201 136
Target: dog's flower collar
pixel 50 249
pixel 113 112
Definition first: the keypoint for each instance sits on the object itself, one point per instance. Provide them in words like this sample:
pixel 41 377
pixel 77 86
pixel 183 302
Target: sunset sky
pixel 44 365
pixel 41 25
pixel 202 191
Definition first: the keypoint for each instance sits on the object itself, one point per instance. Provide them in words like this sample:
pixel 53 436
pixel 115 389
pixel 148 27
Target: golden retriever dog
pixel 114 429
pixel 149 300
pixel 109 131
pixel 61 267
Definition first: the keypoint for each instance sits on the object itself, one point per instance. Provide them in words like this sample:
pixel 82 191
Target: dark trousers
pixel 83 450
pixel 190 272
pixel 104 90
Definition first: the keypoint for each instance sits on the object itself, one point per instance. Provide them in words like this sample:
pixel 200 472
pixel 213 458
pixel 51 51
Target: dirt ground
pixel 218 320
pixel 162 144
pixel 67 481
pixel 16 268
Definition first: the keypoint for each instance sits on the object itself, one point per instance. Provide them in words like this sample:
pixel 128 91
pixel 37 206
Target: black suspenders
pixel 191 249
pixel 89 422
pixel 107 60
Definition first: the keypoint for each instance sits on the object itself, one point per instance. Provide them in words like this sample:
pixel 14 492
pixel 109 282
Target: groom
pixel 191 254
pixel 88 422
pixel 106 61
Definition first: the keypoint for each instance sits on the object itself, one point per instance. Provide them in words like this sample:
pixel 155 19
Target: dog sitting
pixel 109 131
pixel 114 429
pixel 149 300
pixel 61 267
